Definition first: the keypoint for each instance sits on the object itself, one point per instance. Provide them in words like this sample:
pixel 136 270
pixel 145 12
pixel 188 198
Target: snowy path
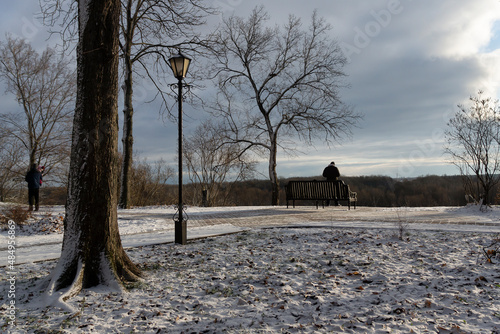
pixel 51 251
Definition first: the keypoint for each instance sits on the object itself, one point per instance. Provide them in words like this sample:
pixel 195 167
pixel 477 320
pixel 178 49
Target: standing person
pixel 331 172
pixel 34 179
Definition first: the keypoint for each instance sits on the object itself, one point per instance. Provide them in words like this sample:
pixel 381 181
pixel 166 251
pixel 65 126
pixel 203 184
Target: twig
pixel 490 253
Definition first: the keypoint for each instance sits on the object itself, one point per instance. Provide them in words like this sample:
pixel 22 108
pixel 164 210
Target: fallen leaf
pixel 399 310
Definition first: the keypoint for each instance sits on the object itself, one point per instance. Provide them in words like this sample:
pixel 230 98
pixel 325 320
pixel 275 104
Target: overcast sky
pixel 410 64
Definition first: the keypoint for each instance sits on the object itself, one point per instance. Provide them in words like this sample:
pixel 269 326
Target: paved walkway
pixel 204 224
pixel 338 216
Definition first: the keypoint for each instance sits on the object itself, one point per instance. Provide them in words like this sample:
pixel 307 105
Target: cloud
pixel 448 28
pixel 411 63
pixel 458 29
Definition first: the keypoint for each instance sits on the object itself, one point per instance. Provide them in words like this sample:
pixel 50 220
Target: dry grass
pixel 17 213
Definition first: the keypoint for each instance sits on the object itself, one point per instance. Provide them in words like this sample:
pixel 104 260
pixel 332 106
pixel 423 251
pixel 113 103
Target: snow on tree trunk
pixel 92 253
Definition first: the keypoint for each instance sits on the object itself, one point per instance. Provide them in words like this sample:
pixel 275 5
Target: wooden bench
pixel 320 191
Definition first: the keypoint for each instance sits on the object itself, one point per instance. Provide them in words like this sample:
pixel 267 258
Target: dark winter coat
pixel 331 172
pixel 34 178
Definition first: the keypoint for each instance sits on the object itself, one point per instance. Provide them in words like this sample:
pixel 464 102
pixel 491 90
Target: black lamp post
pixel 180 66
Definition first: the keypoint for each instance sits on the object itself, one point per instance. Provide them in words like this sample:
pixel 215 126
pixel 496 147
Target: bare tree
pixel 44 86
pixel 213 166
pixel 473 142
pixel 148 180
pixel 92 253
pixel 279 83
pixel 149 30
pixel 11 155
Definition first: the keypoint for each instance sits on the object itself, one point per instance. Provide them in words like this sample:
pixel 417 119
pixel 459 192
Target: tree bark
pixel 273 175
pixel 128 111
pixel 128 138
pixel 92 253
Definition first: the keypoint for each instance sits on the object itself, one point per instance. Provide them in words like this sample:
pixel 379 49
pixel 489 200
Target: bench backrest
pixel 317 190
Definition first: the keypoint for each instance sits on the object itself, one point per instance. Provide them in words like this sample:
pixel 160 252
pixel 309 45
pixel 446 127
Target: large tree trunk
pixel 128 139
pixel 128 112
pixel 92 253
pixel 486 189
pixel 273 176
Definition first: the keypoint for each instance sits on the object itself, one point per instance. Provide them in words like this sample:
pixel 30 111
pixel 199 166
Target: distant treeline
pixel 421 191
pixel 381 191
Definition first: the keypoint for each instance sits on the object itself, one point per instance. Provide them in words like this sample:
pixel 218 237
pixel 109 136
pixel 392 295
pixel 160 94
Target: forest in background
pixel 376 191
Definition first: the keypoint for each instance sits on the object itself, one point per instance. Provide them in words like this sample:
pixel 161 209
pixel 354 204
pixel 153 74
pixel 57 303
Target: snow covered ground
pixel 283 271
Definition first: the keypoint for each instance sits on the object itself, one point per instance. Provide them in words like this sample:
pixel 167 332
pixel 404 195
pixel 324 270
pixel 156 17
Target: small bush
pixel 402 223
pixel 16 213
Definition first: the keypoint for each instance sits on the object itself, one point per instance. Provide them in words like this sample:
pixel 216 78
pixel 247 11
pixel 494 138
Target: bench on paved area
pixel 320 191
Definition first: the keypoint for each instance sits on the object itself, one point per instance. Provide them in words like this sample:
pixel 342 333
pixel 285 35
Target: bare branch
pixel 44 85
pixel 473 143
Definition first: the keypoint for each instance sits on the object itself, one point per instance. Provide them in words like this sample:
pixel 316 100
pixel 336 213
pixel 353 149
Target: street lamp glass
pixel 180 65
